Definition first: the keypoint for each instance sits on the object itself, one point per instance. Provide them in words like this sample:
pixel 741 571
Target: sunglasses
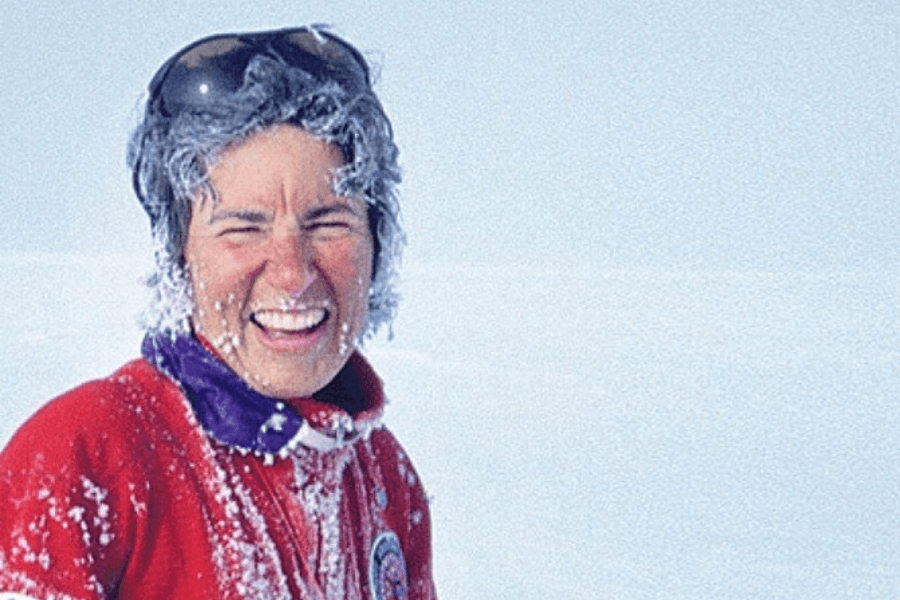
pixel 211 68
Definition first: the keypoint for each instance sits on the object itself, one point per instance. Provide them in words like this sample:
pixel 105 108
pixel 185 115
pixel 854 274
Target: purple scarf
pixel 226 406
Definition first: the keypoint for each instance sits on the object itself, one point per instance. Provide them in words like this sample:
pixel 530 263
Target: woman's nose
pixel 291 265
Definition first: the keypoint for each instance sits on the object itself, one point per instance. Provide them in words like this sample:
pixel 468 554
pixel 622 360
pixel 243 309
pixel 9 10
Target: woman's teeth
pixel 290 322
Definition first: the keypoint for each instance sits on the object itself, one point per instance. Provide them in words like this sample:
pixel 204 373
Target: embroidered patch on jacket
pixel 387 569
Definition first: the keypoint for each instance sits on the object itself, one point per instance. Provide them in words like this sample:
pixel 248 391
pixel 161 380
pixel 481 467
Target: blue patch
pixel 387 569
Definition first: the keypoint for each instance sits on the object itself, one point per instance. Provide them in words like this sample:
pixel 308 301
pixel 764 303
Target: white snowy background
pixel 650 340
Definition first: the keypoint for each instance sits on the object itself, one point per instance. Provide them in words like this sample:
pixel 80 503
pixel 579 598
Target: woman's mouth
pixel 280 323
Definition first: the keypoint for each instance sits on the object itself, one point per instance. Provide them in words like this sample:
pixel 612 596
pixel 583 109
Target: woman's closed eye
pixel 232 223
pixel 238 230
pixel 336 219
pixel 330 223
pixel 329 228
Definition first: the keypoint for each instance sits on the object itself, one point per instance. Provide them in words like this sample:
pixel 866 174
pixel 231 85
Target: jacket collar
pixel 236 415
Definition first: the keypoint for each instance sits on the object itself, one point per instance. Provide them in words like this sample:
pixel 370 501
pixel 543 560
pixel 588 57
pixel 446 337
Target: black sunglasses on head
pixel 213 67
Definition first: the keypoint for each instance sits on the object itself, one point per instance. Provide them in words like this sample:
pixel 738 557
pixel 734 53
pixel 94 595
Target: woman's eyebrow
pixel 324 211
pixel 251 216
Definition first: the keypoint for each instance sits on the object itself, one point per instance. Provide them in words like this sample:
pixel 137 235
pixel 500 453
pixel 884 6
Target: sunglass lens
pixel 204 74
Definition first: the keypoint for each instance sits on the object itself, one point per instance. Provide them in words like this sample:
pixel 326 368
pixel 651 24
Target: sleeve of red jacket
pixel 64 506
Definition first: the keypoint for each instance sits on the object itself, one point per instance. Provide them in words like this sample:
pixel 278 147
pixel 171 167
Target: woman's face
pixel 280 266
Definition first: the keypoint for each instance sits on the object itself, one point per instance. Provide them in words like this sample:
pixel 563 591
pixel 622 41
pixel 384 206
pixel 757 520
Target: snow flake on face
pixel 345 346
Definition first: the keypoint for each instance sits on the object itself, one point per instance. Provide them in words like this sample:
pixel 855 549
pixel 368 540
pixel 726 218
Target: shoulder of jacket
pixel 97 413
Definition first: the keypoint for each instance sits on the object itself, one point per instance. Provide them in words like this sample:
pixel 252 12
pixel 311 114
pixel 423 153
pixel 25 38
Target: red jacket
pixel 114 490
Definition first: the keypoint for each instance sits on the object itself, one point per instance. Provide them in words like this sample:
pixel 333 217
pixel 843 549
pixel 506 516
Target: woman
pixel 242 455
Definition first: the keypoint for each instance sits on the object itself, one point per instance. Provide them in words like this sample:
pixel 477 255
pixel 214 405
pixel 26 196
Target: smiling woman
pixel 243 455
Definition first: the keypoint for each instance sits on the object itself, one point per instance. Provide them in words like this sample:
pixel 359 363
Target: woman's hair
pixel 169 155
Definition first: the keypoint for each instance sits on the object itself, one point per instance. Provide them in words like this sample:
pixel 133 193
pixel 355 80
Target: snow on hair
pixel 169 156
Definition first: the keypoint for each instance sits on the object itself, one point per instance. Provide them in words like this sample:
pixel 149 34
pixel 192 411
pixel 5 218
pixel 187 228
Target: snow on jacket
pixel 117 490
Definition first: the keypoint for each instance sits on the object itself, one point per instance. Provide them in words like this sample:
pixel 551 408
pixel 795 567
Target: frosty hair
pixel 170 156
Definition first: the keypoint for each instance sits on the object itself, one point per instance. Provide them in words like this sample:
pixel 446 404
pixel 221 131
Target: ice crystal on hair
pixel 171 301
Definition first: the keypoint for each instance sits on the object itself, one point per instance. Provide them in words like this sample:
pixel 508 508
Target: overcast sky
pixel 723 135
